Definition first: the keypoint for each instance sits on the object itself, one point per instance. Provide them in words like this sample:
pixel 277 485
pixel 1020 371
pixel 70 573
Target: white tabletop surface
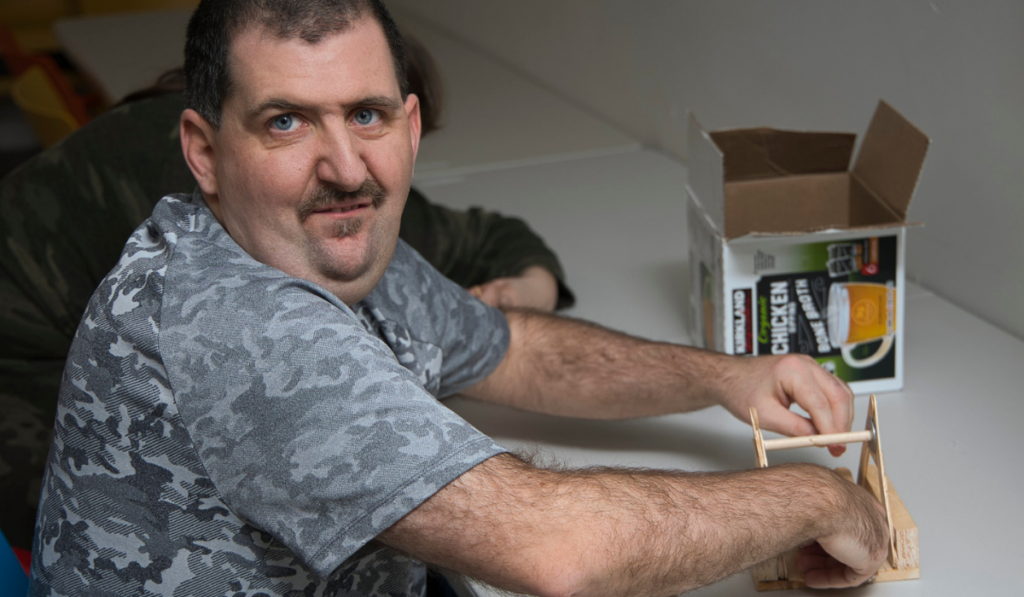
pixel 952 438
pixel 495 118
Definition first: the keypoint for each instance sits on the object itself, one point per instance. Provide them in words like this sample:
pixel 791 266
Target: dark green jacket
pixel 64 218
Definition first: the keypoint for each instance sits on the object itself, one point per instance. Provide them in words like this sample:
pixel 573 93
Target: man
pixel 98 185
pixel 250 406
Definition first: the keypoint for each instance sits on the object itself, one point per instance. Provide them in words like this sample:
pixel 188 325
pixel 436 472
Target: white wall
pixel 953 67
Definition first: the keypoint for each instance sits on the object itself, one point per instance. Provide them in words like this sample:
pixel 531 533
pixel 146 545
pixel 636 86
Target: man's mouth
pixel 329 200
pixel 345 208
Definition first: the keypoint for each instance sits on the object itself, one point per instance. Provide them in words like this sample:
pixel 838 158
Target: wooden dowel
pixel 807 441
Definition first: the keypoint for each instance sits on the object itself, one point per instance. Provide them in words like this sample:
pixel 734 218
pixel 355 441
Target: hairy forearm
pixel 614 532
pixel 565 366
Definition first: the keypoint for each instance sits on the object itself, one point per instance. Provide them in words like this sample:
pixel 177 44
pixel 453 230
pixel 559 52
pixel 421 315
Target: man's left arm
pixel 563 366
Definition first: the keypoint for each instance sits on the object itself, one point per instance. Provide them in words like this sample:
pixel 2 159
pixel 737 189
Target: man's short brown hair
pixel 216 22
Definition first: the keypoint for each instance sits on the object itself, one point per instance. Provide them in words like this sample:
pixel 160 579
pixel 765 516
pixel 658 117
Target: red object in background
pixel 870 266
pixel 74 104
pixel 15 58
pixel 24 558
pixel 18 61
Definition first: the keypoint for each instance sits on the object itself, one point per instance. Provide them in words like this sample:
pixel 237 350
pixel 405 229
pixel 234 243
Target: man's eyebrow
pixel 276 104
pixel 373 101
pixel 380 101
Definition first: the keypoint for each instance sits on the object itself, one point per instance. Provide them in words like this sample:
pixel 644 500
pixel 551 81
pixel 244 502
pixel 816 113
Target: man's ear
pixel 412 108
pixel 197 144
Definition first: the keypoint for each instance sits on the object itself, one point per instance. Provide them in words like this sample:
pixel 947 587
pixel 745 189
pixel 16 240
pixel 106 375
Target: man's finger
pixel 784 421
pixel 507 296
pixel 489 295
pixel 808 389
pixel 806 563
pixel 813 549
pixel 839 395
pixel 840 400
pixel 818 406
pixel 814 557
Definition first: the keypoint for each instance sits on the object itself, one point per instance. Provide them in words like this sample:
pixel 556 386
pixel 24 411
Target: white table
pixel 952 438
pixel 495 118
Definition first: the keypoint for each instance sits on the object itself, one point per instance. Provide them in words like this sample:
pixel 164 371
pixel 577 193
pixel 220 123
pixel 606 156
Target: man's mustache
pixel 324 197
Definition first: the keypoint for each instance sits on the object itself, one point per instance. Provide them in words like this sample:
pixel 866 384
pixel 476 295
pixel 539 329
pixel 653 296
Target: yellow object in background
pixel 43 106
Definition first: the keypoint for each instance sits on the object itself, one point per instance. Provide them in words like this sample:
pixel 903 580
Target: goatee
pixel 324 197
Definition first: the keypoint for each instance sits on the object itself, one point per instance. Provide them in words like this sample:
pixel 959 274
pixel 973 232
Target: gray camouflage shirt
pixel 226 429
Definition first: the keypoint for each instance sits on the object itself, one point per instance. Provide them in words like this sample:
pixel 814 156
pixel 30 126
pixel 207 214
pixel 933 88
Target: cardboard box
pixel 791 251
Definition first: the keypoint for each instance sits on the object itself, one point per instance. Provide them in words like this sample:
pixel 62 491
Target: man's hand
pixel 771 384
pixel 852 554
pixel 534 288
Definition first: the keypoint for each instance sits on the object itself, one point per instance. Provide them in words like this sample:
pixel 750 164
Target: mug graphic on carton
pixel 860 313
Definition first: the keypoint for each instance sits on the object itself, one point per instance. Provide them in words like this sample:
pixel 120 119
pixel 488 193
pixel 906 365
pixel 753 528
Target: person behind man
pixel 250 405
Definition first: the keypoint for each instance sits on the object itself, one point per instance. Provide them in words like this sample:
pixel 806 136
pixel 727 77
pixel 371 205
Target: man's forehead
pixel 263 63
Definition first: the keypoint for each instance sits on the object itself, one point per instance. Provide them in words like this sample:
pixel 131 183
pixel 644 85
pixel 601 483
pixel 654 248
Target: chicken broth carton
pixel 793 251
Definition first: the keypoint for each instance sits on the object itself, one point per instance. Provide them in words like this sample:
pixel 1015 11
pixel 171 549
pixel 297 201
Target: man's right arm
pixel 639 532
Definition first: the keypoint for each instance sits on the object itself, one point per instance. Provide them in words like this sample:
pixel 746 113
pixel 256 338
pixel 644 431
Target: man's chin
pixel 350 266
pixel 346 268
pixel 350 260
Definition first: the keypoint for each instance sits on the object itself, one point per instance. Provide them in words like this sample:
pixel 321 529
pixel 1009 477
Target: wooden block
pixel 780 573
pixel 766 571
pixel 907 554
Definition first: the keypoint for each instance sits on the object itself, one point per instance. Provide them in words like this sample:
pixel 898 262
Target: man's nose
pixel 341 162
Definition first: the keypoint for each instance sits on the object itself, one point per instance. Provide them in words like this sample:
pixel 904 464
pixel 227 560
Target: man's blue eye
pixel 365 117
pixel 284 122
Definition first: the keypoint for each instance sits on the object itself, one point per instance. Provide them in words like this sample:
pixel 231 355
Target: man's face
pixel 315 155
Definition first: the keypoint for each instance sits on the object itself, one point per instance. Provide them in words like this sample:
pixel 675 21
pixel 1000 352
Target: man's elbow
pixel 564 572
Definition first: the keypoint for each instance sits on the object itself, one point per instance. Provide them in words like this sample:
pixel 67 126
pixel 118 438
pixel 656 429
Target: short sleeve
pixel 471 336
pixel 308 425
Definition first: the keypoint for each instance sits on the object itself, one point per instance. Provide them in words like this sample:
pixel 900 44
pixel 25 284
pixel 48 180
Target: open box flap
pixel 704 173
pixel 891 158
pixel 767 153
pixel 787 204
pixel 753 236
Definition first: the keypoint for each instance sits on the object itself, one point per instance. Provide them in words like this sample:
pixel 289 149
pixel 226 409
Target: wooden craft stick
pixel 762 457
pixel 807 441
pixel 876 453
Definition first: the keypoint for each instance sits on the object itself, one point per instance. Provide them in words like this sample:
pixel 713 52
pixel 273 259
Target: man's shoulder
pixel 198 247
pixel 414 293
pixel 177 222
pixel 179 252
pixel 413 289
pixel 134 286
